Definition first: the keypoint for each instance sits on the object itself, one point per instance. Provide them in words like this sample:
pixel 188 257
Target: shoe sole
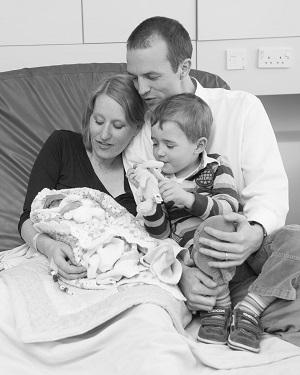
pixel 239 346
pixel 207 341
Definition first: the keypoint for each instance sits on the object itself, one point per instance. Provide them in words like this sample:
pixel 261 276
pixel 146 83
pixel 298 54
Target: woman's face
pixel 110 133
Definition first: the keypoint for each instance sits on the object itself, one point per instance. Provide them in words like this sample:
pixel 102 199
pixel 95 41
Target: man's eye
pixel 152 78
pixel 170 146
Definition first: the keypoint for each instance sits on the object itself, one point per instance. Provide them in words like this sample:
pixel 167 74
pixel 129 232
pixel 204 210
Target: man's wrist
pixel 252 222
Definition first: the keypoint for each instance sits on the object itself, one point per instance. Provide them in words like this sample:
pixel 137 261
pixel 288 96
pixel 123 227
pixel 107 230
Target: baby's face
pixel 171 146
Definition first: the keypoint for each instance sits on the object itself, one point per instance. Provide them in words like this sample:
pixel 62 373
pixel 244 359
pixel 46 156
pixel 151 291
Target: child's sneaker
pixel 214 325
pixel 245 331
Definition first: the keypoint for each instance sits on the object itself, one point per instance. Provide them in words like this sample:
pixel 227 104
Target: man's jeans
pixel 273 270
pixel 277 264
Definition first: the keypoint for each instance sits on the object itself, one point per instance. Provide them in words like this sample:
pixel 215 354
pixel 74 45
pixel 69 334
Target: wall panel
pixel 34 22
pixel 240 19
pixel 211 55
pixel 113 21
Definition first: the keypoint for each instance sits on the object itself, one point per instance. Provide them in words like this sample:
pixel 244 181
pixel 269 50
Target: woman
pixel 114 115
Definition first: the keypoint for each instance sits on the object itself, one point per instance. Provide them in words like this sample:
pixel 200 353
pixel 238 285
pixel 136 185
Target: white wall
pixel 250 25
pixel 52 32
pixel 47 32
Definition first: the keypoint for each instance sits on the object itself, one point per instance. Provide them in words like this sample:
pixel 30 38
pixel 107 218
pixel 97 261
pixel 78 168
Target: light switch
pixel 236 59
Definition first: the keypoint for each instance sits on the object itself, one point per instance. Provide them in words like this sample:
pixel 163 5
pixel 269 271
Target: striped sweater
pixel 214 188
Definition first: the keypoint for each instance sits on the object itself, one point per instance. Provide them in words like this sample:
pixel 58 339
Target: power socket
pixel 274 57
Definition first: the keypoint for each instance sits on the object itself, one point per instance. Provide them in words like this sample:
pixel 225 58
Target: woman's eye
pixel 118 126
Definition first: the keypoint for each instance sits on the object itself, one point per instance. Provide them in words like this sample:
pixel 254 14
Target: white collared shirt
pixel 243 133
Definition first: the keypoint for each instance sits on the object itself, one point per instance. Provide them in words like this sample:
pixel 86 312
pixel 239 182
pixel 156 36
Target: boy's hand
pixel 131 177
pixel 171 191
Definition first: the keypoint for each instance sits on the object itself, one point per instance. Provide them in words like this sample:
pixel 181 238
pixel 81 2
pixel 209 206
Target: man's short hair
pixel 189 112
pixel 171 31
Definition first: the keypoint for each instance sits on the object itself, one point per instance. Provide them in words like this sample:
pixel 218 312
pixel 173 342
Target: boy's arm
pixel 157 225
pixel 222 197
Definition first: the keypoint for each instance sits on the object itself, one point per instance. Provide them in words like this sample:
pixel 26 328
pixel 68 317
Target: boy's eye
pixel 170 146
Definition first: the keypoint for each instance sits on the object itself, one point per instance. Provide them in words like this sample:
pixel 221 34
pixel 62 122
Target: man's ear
pixel 201 145
pixel 185 67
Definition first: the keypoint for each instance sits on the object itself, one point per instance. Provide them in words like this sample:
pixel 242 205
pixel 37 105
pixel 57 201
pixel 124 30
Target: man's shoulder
pixel 230 96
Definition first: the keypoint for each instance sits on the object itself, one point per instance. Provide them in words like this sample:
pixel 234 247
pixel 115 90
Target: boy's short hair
pixel 171 31
pixel 189 112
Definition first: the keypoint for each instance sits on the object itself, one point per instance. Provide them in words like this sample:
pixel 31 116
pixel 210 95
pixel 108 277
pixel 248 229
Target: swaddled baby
pixel 105 238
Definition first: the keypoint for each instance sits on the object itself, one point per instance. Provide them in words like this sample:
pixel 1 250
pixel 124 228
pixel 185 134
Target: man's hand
pixel 239 245
pixel 172 191
pixel 199 290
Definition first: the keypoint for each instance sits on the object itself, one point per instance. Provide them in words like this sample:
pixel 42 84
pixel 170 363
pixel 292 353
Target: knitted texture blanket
pixel 106 239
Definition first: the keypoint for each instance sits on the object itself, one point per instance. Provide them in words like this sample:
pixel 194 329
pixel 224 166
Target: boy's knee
pixel 216 222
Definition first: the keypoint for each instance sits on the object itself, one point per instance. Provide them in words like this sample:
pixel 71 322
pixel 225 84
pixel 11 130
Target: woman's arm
pixel 60 252
pixel 46 173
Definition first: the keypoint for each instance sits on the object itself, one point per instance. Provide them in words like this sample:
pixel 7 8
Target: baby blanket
pixel 106 239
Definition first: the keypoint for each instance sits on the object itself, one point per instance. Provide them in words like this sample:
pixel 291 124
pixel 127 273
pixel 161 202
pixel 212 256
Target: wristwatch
pixel 263 228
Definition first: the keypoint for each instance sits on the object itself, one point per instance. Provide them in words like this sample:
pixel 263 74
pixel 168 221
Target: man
pixel 159 55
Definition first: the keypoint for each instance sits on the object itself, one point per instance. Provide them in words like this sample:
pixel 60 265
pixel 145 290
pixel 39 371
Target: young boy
pixel 198 189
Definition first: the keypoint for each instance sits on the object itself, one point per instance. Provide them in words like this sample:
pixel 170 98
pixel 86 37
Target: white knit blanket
pixel 106 239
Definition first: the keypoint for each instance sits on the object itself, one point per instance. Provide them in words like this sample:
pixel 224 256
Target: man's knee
pixel 286 240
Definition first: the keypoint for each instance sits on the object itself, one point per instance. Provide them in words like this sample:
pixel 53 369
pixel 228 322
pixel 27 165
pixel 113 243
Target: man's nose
pixel 143 86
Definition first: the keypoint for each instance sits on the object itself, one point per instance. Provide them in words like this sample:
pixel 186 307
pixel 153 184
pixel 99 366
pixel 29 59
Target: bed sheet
pixel 140 340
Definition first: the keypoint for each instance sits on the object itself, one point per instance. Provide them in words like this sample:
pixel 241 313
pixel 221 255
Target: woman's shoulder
pixel 66 134
pixel 66 137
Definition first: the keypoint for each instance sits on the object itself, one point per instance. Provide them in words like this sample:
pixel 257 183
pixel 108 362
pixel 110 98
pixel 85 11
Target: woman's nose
pixel 105 131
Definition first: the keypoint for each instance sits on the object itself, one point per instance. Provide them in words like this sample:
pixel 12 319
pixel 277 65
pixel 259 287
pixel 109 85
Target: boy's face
pixel 171 146
pixel 153 75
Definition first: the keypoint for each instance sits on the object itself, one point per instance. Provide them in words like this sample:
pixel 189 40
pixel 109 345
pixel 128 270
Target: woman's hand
pixel 199 290
pixel 63 257
pixel 239 245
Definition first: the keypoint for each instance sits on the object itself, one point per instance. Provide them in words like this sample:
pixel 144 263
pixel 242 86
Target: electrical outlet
pixel 274 58
pixel 236 59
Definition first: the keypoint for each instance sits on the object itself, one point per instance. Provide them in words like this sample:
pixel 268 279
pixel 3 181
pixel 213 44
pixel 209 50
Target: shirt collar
pixel 205 159
pixel 201 91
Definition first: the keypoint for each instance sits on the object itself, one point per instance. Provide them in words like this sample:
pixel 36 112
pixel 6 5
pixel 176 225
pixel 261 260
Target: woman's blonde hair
pixel 119 87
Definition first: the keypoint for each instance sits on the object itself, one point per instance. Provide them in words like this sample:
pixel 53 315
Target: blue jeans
pixel 219 275
pixel 274 270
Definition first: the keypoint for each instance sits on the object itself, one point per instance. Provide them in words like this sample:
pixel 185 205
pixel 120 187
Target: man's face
pixel 153 75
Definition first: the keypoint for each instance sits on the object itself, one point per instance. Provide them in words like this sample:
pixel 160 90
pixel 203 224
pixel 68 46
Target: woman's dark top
pixel 63 164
